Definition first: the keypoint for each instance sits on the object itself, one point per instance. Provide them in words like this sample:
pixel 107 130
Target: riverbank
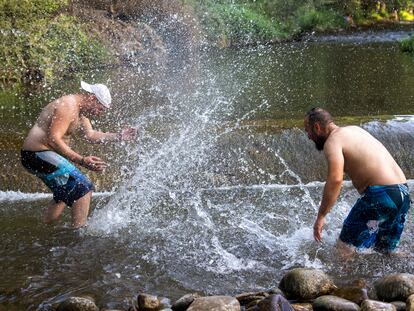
pixel 47 41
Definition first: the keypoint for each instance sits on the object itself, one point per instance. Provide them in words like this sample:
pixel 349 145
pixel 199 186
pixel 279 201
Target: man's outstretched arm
pixel 335 160
pixel 98 137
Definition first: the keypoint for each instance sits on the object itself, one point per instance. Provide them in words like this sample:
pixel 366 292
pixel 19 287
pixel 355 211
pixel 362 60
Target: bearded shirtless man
pixel 377 218
pixel 46 152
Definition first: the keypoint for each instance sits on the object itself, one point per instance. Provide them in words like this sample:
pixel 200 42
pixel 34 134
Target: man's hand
pixel 317 228
pixel 128 134
pixel 94 163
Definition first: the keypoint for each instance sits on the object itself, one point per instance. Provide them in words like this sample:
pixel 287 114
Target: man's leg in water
pixel 346 251
pixel 53 211
pixel 80 210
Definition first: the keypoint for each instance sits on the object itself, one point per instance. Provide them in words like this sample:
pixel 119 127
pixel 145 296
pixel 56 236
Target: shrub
pixel 407 45
pixel 40 42
pixel 320 20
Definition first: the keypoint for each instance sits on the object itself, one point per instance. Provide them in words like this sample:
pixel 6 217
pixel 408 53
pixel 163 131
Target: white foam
pixel 18 196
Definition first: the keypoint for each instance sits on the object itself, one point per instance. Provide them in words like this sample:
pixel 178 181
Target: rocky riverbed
pixel 300 289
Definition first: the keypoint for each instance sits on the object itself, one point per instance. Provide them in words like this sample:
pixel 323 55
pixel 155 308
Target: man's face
pixel 315 134
pixel 96 108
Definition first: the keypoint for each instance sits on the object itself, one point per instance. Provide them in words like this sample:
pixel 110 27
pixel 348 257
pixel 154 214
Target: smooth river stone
pixel 148 302
pixel 184 302
pixel 302 306
pixel 354 294
pixel 333 303
pixel 399 305
pixel 305 284
pixel 247 298
pixel 395 287
pixel 410 303
pixel 215 303
pixel 373 305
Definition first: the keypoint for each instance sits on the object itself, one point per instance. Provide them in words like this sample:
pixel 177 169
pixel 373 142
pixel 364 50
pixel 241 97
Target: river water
pixel 220 191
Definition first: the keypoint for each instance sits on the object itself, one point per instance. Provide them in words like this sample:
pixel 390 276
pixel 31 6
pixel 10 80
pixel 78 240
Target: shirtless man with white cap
pixel 46 153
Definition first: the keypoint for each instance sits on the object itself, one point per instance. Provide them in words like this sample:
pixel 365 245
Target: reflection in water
pixel 204 201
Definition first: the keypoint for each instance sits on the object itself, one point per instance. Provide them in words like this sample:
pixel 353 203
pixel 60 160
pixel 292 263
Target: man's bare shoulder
pixel 67 103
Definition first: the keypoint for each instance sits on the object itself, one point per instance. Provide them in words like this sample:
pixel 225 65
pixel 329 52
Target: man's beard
pixel 319 142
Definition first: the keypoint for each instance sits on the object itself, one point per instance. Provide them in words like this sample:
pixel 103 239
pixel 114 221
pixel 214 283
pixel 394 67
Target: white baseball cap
pixel 100 91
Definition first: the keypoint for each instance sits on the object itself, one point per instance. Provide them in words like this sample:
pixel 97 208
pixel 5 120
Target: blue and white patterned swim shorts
pixel 377 218
pixel 67 183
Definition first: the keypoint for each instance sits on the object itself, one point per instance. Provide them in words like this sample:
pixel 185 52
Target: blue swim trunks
pixel 377 218
pixel 67 183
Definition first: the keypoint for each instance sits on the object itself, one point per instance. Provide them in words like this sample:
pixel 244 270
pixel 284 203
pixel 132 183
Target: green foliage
pixel 407 45
pixel 40 42
pixel 320 20
pixel 406 15
pixel 237 23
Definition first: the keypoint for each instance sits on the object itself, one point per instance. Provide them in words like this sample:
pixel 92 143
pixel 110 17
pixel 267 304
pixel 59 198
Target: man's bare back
pixel 37 138
pixel 366 161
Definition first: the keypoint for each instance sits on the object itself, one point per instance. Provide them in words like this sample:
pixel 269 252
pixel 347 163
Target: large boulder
pixel 395 287
pixel 77 304
pixel 354 294
pixel 373 305
pixel 333 303
pixel 215 303
pixel 305 284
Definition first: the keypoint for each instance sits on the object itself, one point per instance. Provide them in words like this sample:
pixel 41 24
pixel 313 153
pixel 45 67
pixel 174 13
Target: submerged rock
pixel 77 304
pixel 373 305
pixel 395 287
pixel 216 303
pixel 333 303
pixel 354 294
pixel 306 284
pixel 184 302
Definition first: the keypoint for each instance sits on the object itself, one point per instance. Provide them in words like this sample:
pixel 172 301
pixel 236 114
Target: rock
pixel 373 305
pixel 148 302
pixel 399 305
pixel 333 303
pixel 395 287
pixel 246 298
pixel 360 283
pixel 216 303
pixel 275 291
pixel 306 284
pixel 354 294
pixel 77 304
pixel 274 303
pixel 184 302
pixel 253 303
pixel 410 303
pixel 302 306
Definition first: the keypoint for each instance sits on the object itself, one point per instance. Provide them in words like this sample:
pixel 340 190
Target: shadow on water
pixel 220 191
